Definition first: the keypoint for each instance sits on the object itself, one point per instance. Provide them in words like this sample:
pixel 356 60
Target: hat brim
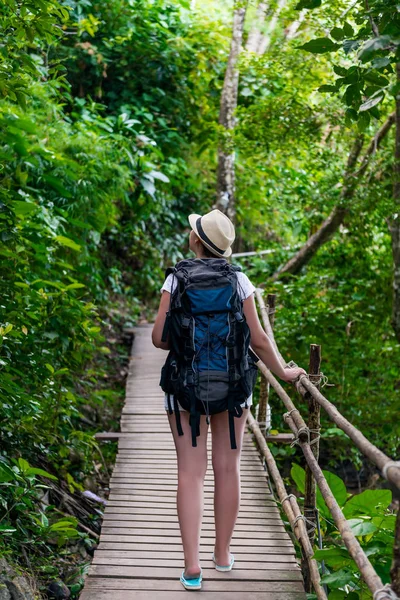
pixel 192 221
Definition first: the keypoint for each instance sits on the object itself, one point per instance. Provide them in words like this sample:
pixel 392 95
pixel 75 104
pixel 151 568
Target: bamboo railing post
pixel 395 568
pixel 264 384
pixel 314 424
pixel 314 413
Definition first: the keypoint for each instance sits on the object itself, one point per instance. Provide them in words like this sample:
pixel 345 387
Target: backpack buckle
pixel 186 322
pixel 239 317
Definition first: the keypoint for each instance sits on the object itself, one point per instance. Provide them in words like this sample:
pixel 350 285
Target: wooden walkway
pixel 140 556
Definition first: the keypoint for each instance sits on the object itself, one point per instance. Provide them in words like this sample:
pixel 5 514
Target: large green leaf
pixel 374 45
pixel 298 475
pixel 6 474
pixel 64 241
pixel 338 578
pixel 37 471
pixel 369 502
pixel 338 490
pixel 387 522
pixel 56 184
pixel 335 483
pixel 308 4
pixel 320 46
pixel 334 557
pixel 371 103
pixel 362 527
pixel 22 208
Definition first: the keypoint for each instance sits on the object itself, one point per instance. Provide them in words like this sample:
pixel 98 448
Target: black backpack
pixel 210 367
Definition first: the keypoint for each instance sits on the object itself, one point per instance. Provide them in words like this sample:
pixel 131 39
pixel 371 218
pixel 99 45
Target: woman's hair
pixel 208 252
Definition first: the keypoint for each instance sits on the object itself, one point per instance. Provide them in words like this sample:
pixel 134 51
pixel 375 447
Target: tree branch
pixel 336 217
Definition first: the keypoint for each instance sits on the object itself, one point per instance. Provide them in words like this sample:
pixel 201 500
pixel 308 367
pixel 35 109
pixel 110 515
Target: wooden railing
pixel 307 437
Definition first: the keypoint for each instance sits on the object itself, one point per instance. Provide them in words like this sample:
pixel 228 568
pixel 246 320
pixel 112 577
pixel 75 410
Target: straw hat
pixel 215 230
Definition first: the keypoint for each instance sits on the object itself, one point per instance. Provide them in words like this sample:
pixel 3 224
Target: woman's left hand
pixel 292 373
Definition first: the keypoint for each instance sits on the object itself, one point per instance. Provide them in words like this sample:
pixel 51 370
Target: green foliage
pixel 27 28
pixel 21 524
pixel 372 43
pixel 370 520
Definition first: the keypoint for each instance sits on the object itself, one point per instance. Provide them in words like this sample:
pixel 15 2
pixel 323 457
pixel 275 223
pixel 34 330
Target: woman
pixel 212 235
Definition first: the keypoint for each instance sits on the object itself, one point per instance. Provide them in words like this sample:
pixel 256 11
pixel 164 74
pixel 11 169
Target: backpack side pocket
pixel 168 371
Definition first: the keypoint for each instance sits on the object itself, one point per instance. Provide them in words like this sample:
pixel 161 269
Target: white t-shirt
pixel 245 289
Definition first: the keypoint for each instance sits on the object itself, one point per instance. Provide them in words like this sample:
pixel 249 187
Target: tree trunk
pixel 335 219
pixel 292 29
pixel 226 151
pixel 255 34
pixel 265 41
pixel 394 222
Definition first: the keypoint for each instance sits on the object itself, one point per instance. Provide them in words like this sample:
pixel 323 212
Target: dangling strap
pixel 165 331
pixel 232 431
pixel 231 422
pixel 169 403
pixel 177 416
pixel 193 416
pixel 197 423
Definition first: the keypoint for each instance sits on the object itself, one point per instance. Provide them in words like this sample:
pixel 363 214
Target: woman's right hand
pixel 292 373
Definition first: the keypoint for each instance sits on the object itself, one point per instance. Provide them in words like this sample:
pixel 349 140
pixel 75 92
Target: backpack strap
pixel 169 403
pixel 164 335
pixel 177 416
pixel 231 422
pixel 194 418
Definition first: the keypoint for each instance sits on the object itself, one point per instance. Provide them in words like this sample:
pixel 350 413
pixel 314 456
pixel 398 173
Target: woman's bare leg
pixel 192 467
pixel 226 466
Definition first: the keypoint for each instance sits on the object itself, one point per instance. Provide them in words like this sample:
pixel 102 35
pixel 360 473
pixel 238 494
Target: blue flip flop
pixel 192 584
pixel 225 567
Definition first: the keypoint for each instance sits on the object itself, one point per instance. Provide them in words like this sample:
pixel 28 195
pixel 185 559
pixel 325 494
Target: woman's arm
pixel 262 345
pixel 159 322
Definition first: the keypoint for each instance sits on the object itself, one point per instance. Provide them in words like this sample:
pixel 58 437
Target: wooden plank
pixel 173 518
pixel 257 475
pixel 213 585
pixel 264 547
pixel 170 496
pixel 171 480
pixel 275 562
pixel 154 502
pixel 174 595
pixel 278 532
pixel 165 573
pixel 165 488
pixel 164 553
pixel 156 539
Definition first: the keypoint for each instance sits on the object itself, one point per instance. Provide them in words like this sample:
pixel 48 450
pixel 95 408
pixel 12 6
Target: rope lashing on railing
pixel 306 430
pixel 315 379
pixel 312 527
pixel 289 413
pixel 385 593
pixel 288 498
pixel 302 431
pixel 389 465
